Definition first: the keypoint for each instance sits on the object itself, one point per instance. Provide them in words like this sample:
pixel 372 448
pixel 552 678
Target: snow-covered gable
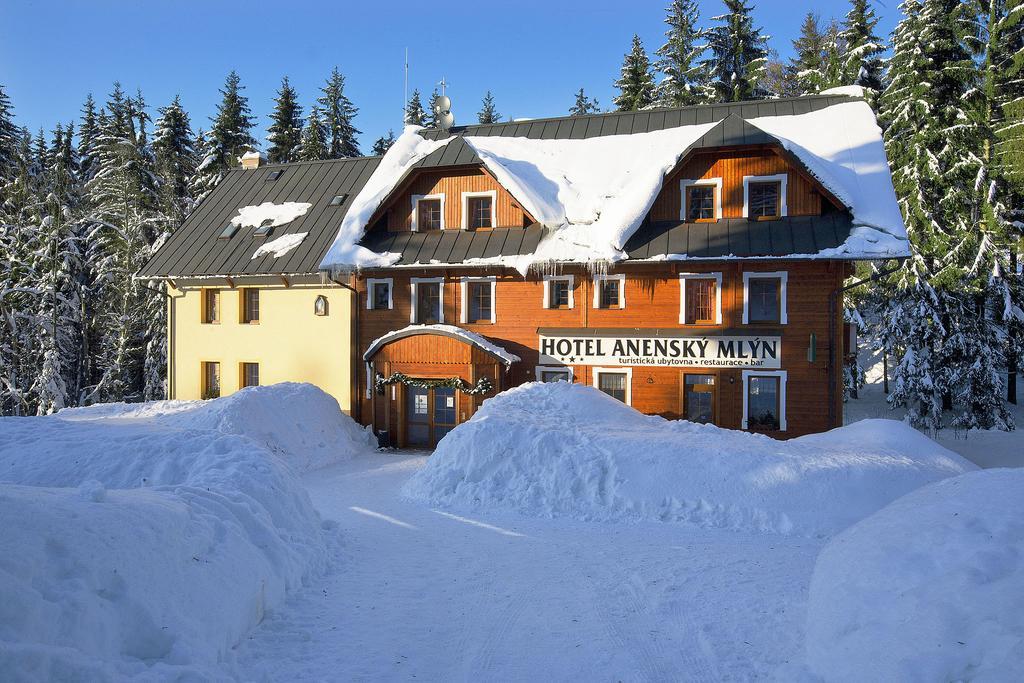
pixel 472 338
pixel 592 194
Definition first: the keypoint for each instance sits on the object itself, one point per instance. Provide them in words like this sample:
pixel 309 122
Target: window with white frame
pixel 553 373
pixel 616 382
pixel 427 212
pixel 764 400
pixel 764 297
pixel 701 200
pixel 558 291
pixel 700 298
pixel 610 291
pixel 764 196
pixel 379 296
pixel 478 304
pixel 427 294
pixel 478 209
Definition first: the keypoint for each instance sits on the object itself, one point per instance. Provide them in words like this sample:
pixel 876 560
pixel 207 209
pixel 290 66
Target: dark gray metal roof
pixel 193 250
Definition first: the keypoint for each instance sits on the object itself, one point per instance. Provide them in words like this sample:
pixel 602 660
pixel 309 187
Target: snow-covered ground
pixel 986 448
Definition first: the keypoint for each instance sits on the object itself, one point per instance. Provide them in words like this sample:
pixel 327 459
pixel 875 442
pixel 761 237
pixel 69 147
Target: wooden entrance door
pixel 700 398
pixel 429 415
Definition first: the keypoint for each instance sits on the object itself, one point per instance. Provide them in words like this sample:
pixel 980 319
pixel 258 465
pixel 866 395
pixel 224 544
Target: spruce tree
pixel 285 132
pixel 738 54
pixel 584 105
pixel 636 80
pixel 862 48
pixel 88 131
pixel 8 138
pixel 488 113
pixel 817 63
pixel 175 159
pixel 414 113
pixel 383 143
pixel 314 137
pixel 229 137
pixel 430 119
pixel 338 112
pixel 686 79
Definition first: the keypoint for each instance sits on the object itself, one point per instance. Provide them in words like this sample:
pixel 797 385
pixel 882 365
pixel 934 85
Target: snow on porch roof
pixel 472 338
pixel 593 189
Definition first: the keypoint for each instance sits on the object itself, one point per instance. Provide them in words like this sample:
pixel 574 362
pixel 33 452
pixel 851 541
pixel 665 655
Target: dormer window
pixel 764 197
pixel 427 212
pixel 701 200
pixel 478 209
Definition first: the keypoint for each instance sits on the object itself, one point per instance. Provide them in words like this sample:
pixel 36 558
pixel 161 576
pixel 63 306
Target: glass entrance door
pixel 699 398
pixel 444 412
pixel 429 415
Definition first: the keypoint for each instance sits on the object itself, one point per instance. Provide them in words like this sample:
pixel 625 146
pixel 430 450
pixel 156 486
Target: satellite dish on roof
pixel 445 120
pixel 442 105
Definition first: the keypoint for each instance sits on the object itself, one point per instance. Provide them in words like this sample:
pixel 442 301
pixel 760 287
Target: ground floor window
pixel 211 379
pixel 250 375
pixel 552 373
pixel 699 398
pixel 615 382
pixel 764 400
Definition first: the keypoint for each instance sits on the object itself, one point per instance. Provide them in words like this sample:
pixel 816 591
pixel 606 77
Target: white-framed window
pixel 554 373
pixel 616 382
pixel 700 298
pixel 427 295
pixel 478 209
pixel 764 400
pixel 478 301
pixel 558 291
pixel 756 199
pixel 697 205
pixel 380 294
pixel 429 216
pixel 758 297
pixel 610 291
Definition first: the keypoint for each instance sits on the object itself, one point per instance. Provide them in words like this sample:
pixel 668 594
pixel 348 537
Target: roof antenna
pixel 405 95
pixel 442 109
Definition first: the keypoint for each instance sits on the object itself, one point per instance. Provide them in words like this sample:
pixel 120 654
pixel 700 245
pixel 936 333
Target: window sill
pixel 760 219
pixel 701 220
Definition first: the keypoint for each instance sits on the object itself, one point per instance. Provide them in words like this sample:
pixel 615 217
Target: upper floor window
pixel 702 200
pixel 558 291
pixel 764 297
pixel 427 300
pixel 764 197
pixel 478 209
pixel 701 298
pixel 478 300
pixel 378 294
pixel 609 291
pixel 250 306
pixel 428 212
pixel 211 306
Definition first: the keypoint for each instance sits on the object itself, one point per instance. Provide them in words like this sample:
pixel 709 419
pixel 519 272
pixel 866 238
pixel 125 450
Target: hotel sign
pixel 701 352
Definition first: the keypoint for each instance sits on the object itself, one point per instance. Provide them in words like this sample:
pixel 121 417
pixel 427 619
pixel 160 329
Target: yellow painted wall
pixel 290 343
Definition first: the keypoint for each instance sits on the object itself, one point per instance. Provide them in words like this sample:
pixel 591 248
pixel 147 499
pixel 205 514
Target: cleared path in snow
pixel 439 595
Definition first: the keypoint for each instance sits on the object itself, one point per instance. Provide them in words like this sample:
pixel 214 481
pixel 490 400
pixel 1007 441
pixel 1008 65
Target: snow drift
pixel 566 449
pixel 930 588
pixel 146 540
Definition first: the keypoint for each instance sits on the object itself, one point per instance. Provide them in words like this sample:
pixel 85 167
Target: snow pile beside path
pixel 930 588
pixel 280 246
pixel 147 540
pixel 277 214
pixel 566 449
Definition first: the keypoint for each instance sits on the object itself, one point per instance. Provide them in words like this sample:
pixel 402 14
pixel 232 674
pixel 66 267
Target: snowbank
pixel 565 449
pixel 277 214
pixel 280 246
pixel 144 539
pixel 930 588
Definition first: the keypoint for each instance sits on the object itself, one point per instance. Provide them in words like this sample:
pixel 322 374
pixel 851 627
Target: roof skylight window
pixel 264 229
pixel 339 199
pixel 228 232
pixel 273 175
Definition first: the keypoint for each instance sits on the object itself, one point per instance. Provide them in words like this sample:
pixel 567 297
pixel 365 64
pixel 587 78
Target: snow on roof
pixel 345 252
pixel 842 147
pixel 447 330
pixel 281 246
pixel 278 214
pixel 848 90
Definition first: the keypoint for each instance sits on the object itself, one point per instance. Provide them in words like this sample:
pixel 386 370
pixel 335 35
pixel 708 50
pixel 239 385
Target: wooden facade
pixel 451 184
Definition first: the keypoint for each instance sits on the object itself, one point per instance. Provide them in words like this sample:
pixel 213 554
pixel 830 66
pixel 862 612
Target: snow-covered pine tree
pixel 584 105
pixel 414 112
pixel 933 319
pixel 862 64
pixel 88 131
pixel 229 137
pixel 314 137
pixel 383 144
pixel 636 80
pixel 8 139
pixel 285 131
pixel 686 80
pixel 429 120
pixel 339 112
pixel 488 113
pixel 176 161
pixel 738 56
pixel 816 61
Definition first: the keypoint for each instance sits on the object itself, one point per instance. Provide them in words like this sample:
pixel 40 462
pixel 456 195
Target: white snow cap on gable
pixel 473 338
pixel 345 252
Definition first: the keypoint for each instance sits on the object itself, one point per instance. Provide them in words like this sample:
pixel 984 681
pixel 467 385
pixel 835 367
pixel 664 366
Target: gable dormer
pixel 463 198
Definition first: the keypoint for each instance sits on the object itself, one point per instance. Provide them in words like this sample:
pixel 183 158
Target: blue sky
pixel 533 55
